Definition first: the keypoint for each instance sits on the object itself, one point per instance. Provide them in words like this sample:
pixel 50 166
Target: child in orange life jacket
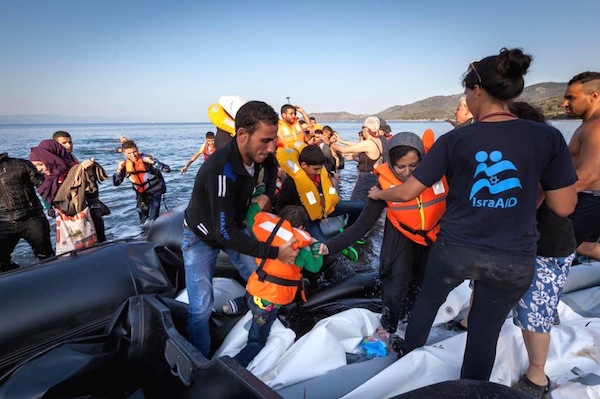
pixel 144 172
pixel 274 283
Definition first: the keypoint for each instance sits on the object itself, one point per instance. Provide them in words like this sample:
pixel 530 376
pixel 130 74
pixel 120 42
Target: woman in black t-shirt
pixel 488 232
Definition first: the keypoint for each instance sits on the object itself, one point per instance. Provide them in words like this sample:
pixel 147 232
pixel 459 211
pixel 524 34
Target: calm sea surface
pixel 172 144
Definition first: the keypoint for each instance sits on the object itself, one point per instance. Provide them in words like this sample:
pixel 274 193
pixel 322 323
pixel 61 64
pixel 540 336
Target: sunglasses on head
pixel 472 68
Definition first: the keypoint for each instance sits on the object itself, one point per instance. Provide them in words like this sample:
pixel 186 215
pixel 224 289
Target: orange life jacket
pixel 139 175
pixel 207 151
pixel 428 139
pixel 417 219
pixel 275 281
pixel 289 134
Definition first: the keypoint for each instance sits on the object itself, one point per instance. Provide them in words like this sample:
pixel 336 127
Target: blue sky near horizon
pixel 159 61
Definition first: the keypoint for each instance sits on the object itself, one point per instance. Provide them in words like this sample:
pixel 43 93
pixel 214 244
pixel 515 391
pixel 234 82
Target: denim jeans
pixel 351 208
pixel 199 260
pixel 148 205
pixel 363 184
pixel 500 280
pixel 262 320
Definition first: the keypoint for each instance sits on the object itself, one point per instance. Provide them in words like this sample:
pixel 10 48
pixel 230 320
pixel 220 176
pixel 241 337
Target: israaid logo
pixel 491 181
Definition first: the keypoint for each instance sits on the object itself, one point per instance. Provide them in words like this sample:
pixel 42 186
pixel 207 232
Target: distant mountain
pixel 546 96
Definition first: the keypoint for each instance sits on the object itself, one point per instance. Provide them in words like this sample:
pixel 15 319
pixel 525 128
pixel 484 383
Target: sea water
pixel 174 144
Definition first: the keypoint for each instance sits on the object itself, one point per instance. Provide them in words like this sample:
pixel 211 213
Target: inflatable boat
pixel 105 322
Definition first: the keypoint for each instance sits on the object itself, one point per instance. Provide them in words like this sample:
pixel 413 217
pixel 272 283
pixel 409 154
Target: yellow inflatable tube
pixel 221 119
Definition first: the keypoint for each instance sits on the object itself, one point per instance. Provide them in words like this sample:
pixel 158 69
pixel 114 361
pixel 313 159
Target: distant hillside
pixel 547 96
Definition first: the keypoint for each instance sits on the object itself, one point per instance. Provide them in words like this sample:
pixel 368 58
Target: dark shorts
pixel 586 218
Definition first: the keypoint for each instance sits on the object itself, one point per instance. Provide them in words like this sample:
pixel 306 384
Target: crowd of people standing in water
pixel 500 200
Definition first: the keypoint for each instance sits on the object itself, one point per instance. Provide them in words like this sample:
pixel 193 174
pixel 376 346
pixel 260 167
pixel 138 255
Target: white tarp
pixel 574 343
pixel 283 362
pixel 324 348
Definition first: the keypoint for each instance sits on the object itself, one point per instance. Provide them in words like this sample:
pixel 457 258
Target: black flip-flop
pixel 526 386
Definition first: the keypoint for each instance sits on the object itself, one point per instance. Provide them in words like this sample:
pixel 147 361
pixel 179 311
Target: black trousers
pixel 500 280
pixel 402 263
pixel 35 230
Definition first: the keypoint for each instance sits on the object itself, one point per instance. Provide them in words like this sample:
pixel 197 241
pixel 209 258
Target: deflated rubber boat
pixel 104 322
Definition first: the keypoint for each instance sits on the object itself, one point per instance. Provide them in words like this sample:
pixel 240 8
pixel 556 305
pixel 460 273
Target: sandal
pixel 526 386
pixel 455 325
pixel 350 253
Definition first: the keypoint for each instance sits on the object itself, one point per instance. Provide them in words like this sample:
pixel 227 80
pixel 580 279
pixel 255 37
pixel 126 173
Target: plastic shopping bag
pixel 74 232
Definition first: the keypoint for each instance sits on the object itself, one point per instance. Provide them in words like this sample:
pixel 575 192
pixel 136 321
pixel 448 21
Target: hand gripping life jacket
pixel 417 219
pixel 289 134
pixel 275 281
pixel 139 175
pixel 318 203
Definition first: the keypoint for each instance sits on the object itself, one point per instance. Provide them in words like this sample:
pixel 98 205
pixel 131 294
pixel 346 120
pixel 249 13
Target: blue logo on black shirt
pixel 492 182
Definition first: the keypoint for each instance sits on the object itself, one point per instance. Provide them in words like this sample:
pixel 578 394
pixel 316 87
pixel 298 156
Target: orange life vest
pixel 139 175
pixel 428 139
pixel 275 281
pixel 289 134
pixel 417 219
pixel 207 151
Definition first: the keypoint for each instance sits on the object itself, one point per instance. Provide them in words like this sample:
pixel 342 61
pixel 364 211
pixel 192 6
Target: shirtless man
pixel 582 100
pixel 369 151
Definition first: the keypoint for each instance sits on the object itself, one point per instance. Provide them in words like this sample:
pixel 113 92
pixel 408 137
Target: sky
pixel 168 61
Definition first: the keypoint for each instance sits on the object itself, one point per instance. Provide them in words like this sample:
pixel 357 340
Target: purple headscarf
pixel 58 161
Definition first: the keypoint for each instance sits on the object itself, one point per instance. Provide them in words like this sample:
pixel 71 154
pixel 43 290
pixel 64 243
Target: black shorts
pixel 586 218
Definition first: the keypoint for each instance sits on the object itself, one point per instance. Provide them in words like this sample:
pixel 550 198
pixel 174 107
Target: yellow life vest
pixel 221 119
pixel 275 281
pixel 317 204
pixel 417 219
pixel 139 176
pixel 289 134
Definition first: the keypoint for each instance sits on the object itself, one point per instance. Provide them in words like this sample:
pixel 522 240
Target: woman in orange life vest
pixel 144 172
pixel 205 149
pixel 274 283
pixel 410 227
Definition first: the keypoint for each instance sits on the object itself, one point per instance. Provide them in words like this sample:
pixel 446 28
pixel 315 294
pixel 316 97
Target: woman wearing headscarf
pixel 69 185
pixel 410 227
pixel 54 161
pixel 488 232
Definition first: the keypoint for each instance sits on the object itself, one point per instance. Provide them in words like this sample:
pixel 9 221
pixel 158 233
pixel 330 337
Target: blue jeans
pixel 148 205
pixel 199 260
pixel 365 181
pixel 351 208
pixel 262 320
